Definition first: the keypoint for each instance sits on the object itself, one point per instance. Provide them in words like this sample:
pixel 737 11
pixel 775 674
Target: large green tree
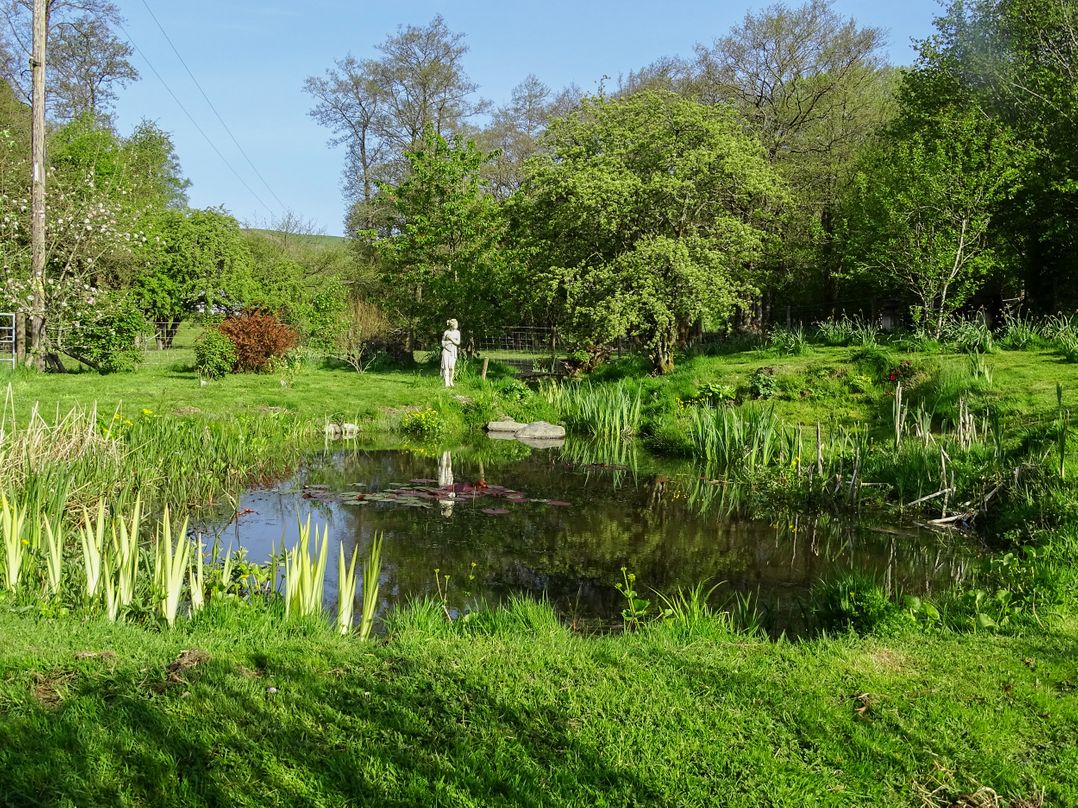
pixel 191 260
pixel 440 251
pixel 919 221
pixel 1017 60
pixel 644 215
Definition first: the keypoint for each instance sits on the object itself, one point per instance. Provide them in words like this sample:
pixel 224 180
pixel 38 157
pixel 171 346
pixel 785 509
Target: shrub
pixel 424 424
pixel 215 355
pixel 257 338
pixel 108 335
pixel 762 383
pixel 850 602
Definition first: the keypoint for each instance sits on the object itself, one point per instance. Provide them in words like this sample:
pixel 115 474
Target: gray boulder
pixel 541 430
pixel 506 426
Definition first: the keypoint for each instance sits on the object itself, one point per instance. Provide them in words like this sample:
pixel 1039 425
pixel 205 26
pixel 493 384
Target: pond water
pixel 560 523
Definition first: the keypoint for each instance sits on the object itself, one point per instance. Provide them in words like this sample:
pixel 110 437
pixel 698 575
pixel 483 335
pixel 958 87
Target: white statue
pixel 450 344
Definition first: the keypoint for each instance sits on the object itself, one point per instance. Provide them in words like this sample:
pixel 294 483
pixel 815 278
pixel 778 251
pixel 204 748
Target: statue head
pixel 452 324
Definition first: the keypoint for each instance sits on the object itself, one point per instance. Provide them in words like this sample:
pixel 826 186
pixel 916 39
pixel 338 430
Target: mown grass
pixel 513 709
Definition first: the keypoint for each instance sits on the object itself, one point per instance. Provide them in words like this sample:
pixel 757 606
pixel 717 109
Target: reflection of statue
pixel 445 480
pixel 450 344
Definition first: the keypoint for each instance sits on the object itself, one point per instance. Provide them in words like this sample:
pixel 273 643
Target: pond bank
pixel 514 708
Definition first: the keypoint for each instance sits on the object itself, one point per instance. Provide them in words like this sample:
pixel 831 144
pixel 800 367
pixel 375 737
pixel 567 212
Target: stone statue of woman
pixel 450 344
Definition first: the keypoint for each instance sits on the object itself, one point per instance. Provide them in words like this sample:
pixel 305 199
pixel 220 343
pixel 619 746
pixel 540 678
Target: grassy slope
pixel 822 384
pixel 515 710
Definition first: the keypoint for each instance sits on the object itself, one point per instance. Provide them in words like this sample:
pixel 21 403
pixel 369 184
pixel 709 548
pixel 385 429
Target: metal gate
pixel 7 338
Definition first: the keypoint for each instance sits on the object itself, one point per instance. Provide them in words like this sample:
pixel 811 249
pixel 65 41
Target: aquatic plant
pixel 305 573
pixel 92 542
pixel 738 438
pixel 16 546
pixel 346 589
pixel 170 566
pixel 372 573
pixel 608 411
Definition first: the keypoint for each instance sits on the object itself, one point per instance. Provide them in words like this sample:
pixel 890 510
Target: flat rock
pixel 541 430
pixel 506 426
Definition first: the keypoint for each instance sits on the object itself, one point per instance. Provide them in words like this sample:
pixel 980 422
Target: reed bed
pixel 609 411
pixel 124 568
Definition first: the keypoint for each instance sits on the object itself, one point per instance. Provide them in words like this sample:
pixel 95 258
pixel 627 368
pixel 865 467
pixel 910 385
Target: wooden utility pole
pixel 37 192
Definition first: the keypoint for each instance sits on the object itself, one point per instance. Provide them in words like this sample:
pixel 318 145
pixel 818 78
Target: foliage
pixel 107 336
pixel 919 217
pixel 361 328
pixel 215 355
pixel 440 252
pixel 258 338
pixel 762 383
pixel 641 216
pixel 193 260
pixel 425 424
pixel 850 602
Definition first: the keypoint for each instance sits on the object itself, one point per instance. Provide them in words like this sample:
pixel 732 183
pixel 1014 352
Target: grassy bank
pixel 511 708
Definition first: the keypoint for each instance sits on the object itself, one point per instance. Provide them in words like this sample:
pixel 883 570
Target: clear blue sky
pixel 252 56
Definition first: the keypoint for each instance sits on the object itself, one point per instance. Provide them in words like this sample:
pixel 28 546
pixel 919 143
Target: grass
pixel 513 709
pixel 238 706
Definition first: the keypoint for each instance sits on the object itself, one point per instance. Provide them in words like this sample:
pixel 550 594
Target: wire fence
pixel 7 338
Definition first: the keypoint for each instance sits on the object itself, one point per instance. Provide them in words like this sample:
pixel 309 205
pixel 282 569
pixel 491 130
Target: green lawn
pixel 515 710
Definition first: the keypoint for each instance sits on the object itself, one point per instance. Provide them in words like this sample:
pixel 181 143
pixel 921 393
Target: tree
pixel 381 108
pixel 921 214
pixel 642 216
pixel 86 59
pixel 442 256
pixel 192 260
pixel 513 135
pixel 813 87
pixel 1017 60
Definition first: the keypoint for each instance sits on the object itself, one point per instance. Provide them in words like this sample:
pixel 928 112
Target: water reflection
pixel 562 523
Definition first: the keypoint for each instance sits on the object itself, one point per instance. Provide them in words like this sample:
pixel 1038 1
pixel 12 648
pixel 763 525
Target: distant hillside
pixel 315 240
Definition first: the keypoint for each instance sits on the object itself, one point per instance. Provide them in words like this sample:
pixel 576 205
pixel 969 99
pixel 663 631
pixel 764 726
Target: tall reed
pixel 305 573
pixel 372 573
pixel 607 411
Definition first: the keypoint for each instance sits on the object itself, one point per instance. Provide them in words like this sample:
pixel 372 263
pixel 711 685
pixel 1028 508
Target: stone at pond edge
pixel 541 430
pixel 506 426
pixel 335 431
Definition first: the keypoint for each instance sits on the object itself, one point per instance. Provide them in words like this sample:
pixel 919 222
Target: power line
pixel 212 107
pixel 194 123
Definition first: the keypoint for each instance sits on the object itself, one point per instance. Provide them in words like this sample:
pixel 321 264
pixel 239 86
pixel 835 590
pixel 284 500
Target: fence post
pixel 483 372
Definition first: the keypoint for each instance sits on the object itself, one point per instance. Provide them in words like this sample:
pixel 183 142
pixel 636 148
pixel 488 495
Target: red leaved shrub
pixel 258 338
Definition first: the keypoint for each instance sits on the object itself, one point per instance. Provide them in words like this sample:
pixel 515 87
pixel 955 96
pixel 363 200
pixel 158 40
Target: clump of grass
pixel 1018 332
pixel 739 438
pixel 835 331
pixel 851 602
pixel 788 341
pixel 608 411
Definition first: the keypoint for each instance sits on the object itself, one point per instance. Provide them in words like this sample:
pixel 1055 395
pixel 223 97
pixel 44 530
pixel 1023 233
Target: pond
pixel 560 523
